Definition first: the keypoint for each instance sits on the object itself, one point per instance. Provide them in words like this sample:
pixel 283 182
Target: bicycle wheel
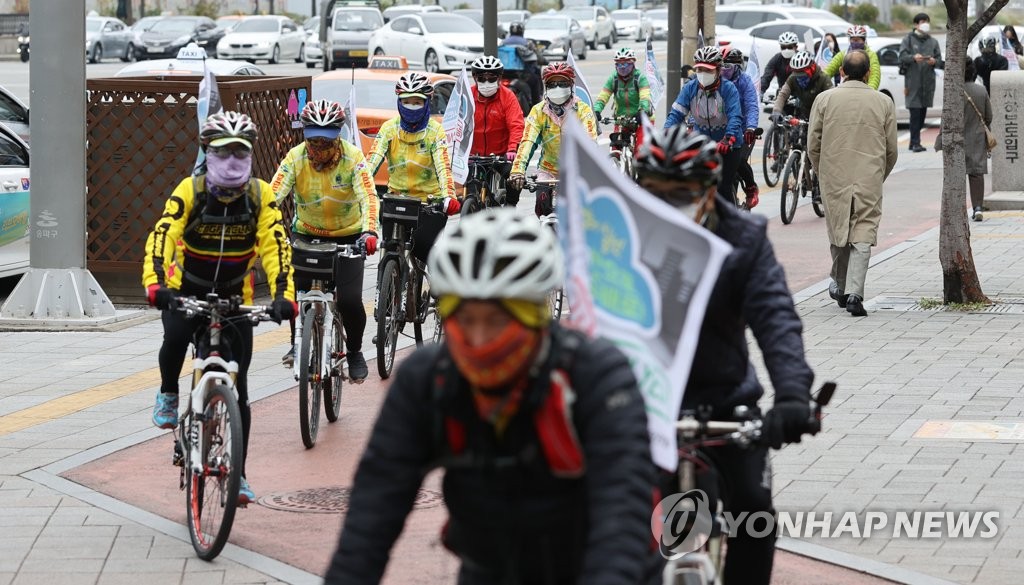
pixel 791 186
pixel 422 306
pixel 438 327
pixel 388 325
pixel 555 300
pixel 770 164
pixel 471 205
pixel 310 378
pixel 212 494
pixel 333 382
pixel 819 207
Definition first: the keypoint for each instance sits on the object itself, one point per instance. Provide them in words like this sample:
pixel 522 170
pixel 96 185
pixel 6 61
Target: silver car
pixel 311 52
pixel 598 25
pixel 348 36
pixel 556 35
pixel 108 36
pixel 632 24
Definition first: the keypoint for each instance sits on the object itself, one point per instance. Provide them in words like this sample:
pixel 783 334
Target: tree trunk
pixel 960 283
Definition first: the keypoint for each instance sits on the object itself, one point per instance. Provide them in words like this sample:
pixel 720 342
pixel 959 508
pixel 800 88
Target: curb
pixel 859 564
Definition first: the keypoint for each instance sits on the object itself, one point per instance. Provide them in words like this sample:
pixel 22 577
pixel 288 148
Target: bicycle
pixel 547 193
pixel 320 366
pixel 623 143
pixel 485 186
pixel 776 146
pixel 402 286
pixel 696 433
pixel 208 439
pixel 798 178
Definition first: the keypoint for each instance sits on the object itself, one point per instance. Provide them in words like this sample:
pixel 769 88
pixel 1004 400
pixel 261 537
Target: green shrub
pixel 865 14
pixel 839 10
pixel 901 13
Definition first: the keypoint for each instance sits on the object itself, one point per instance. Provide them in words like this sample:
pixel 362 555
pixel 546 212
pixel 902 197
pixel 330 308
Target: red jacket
pixel 497 123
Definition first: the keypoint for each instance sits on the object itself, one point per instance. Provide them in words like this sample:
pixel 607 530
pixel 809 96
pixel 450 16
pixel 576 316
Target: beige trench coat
pixel 852 146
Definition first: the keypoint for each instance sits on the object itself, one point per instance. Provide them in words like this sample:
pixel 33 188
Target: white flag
pixel 754 67
pixel 809 41
pixel 458 126
pixel 700 38
pixel 639 273
pixel 208 103
pixel 350 131
pixel 582 90
pixel 653 76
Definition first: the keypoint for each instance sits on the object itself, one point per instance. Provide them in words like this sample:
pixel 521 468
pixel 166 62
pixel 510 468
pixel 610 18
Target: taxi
pixel 375 99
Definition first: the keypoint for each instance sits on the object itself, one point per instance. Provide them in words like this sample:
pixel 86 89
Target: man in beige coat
pixel 852 145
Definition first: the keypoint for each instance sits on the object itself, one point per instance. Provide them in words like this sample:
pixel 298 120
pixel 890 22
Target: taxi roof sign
pixel 192 51
pixel 395 63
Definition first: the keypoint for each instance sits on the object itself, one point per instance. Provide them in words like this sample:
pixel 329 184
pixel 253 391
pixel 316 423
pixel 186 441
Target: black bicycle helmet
pixel 732 55
pixel 516 28
pixel 679 154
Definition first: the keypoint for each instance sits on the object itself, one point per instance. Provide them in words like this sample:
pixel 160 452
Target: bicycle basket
pixel 311 260
pixel 402 210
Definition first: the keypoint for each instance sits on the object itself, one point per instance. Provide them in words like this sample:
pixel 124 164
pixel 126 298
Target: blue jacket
pixel 725 120
pixel 748 99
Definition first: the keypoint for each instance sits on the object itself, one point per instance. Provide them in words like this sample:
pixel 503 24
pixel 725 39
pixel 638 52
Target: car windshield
pixel 257 25
pixel 172 26
pixel 815 14
pixel 626 15
pixel 658 14
pixel 449 23
pixel 580 13
pixel 370 93
pixel 476 16
pixel 145 24
pixel 93 25
pixel 356 20
pixel 541 23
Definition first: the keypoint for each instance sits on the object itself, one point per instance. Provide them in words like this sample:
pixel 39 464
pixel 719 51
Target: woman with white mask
pixel 497 118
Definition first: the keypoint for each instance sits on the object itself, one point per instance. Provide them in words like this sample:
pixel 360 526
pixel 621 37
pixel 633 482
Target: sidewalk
pixel 896 371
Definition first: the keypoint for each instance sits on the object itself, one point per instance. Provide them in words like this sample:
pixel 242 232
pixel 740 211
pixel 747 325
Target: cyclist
pixel 213 228
pixel 713 106
pixel 531 57
pixel 683 168
pixel 544 128
pixel 416 150
pixel 629 88
pixel 778 66
pixel 989 60
pixel 542 484
pixel 497 119
pixel 335 201
pixel 805 83
pixel 734 69
pixel 858 35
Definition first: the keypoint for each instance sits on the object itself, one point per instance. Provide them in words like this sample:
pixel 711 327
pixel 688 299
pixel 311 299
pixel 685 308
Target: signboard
pixel 385 62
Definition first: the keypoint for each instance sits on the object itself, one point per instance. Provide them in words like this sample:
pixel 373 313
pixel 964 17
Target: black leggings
pixel 745 171
pixel 236 337
pixel 730 166
pixel 348 292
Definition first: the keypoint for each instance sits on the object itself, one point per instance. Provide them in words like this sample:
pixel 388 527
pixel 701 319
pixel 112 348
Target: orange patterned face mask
pixel 323 158
pixel 498 362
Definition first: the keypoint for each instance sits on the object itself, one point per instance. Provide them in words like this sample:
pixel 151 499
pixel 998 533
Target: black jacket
pixel 751 291
pixel 986 64
pixel 510 524
pixel 777 67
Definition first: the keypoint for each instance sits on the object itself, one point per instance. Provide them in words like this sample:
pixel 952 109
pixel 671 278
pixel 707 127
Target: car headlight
pixel 22 39
pixel 462 48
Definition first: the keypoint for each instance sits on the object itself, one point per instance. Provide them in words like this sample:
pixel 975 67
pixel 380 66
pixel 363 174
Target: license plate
pixel 155 49
pixel 358 53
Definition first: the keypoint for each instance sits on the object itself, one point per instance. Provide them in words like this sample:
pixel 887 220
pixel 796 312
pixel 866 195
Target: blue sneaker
pixel 245 495
pixel 165 411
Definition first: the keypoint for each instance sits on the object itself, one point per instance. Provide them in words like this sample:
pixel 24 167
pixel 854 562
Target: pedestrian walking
pixel 852 146
pixel 990 60
pixel 919 58
pixel 977 117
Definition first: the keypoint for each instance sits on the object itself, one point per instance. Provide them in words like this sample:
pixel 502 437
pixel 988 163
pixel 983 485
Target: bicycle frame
pixel 485 178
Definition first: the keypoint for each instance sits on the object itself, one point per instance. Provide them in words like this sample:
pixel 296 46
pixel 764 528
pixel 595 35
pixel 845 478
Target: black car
pixel 167 35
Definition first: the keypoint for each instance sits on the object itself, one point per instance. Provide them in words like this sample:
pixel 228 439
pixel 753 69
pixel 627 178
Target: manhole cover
pixel 331 500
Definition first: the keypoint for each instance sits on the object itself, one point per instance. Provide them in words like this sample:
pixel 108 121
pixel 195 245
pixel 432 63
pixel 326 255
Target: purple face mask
pixel 228 172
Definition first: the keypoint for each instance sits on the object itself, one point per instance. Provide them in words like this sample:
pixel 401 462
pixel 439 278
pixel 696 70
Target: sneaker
pixel 245 494
pixel 357 370
pixel 165 411
pixel 977 214
pixel 855 306
pixel 752 193
pixel 917 148
pixel 836 294
pixel 288 359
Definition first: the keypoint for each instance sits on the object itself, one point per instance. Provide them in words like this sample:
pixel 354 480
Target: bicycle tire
pixel 471 205
pixel 310 379
pixel 819 207
pixel 417 298
pixel 772 150
pixel 555 301
pixel 221 403
pixel 790 192
pixel 335 381
pixel 438 328
pixel 388 307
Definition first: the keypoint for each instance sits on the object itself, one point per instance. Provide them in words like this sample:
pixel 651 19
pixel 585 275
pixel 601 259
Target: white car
pixel 632 24
pixel 892 82
pixel 659 22
pixel 556 35
pixel 764 38
pixel 312 54
pixel 347 35
pixel 270 38
pixel 744 16
pixel 434 42
pixel 188 67
pixel 598 25
pixel 507 17
pixel 14 203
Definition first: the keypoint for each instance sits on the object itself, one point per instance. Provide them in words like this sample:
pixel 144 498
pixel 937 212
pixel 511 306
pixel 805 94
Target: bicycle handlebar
pixel 626 121
pixel 192 306
pixel 532 183
pixel 341 250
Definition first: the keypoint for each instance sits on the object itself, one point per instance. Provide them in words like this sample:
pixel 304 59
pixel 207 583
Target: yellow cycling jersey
pixel 418 162
pixel 202 244
pixel 337 202
pixel 545 131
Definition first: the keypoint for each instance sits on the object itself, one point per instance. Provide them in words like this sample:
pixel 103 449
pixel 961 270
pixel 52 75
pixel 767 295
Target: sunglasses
pixel 487 78
pixel 319 142
pixel 554 84
pixel 784 47
pixel 235 150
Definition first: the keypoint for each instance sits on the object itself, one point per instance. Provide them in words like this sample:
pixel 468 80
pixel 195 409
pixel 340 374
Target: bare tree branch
pixel 985 18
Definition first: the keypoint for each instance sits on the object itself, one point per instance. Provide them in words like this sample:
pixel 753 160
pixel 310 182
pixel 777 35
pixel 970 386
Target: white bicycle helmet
pixel 487 64
pixel 857 30
pixel 323 113
pixel 801 60
pixel 788 38
pixel 709 55
pixel 414 85
pixel 226 127
pixel 496 254
pixel 625 54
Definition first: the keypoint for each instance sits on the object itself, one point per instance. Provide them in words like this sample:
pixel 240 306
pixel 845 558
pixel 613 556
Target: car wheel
pixel 612 39
pixel 97 53
pixel 327 66
pixel 129 53
pixel 302 54
pixel 430 62
pixel 593 44
pixel 583 54
pixel 275 57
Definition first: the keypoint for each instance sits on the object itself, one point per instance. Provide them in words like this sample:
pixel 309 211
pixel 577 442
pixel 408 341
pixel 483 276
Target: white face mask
pixel 787 53
pixel 924 27
pixel 705 79
pixel 487 89
pixel 415 108
pixel 558 95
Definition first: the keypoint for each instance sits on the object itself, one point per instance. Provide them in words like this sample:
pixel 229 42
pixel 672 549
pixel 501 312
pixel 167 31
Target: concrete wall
pixel 1007 122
